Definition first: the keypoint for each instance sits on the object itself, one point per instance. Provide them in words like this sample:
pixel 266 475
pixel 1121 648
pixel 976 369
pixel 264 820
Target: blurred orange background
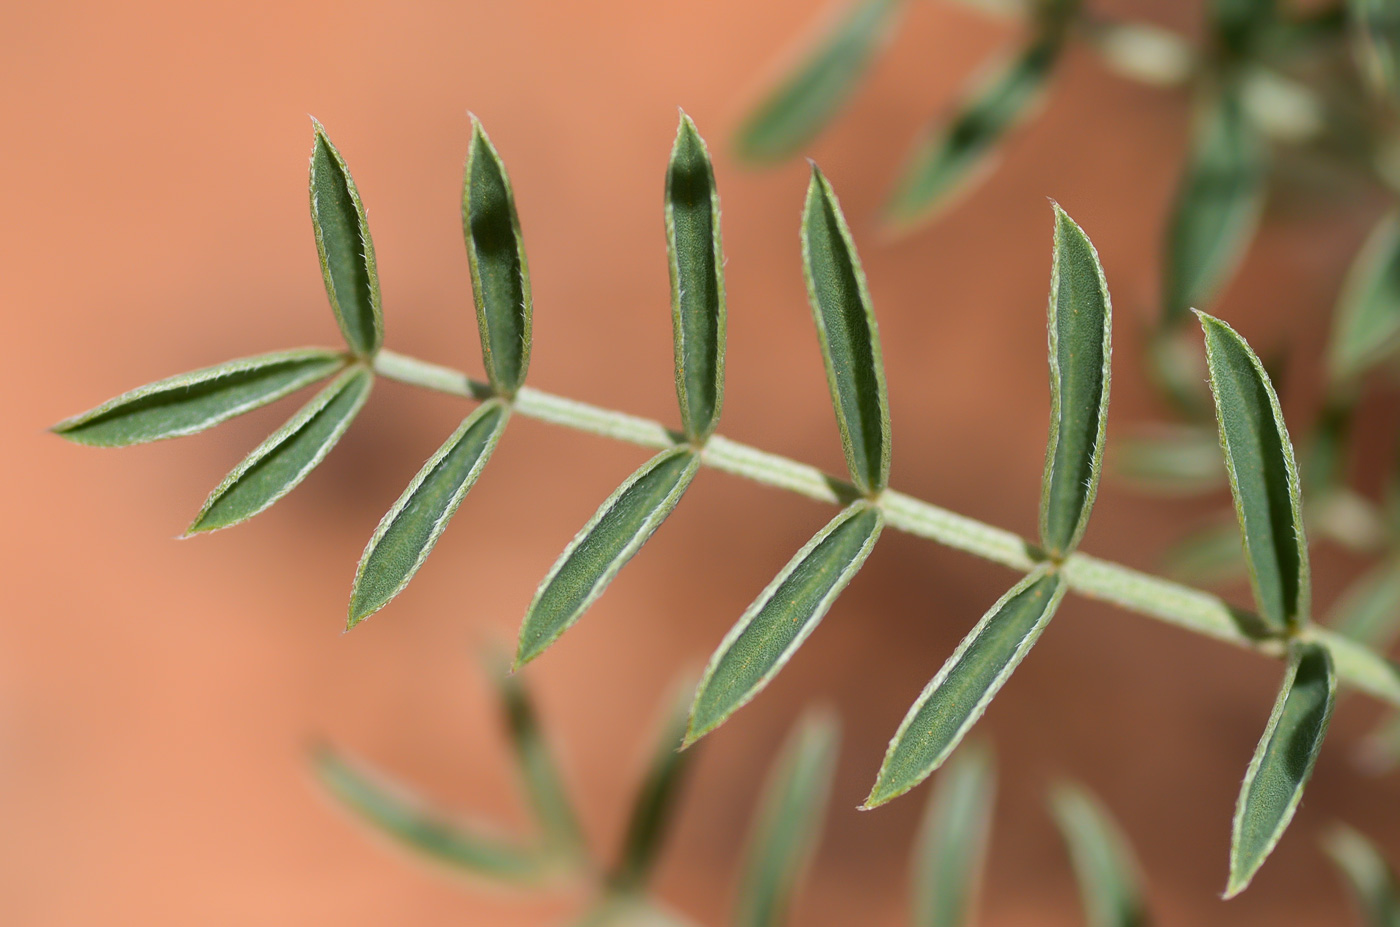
pixel 157 697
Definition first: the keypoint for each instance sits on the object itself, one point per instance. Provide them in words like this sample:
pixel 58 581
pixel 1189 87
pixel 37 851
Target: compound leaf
pixel 1108 873
pixel 958 695
pixel 782 617
pixel 191 402
pixel 1081 329
pixel 500 273
pixel 697 282
pixel 345 247
pixel 803 103
pixel 598 552
pixel 418 828
pixel 277 465
pixel 654 807
pixel 849 338
pixel 1283 761
pixel 1367 874
pixel 410 529
pixel 788 824
pixel 953 839
pixel 1366 321
pixel 1263 476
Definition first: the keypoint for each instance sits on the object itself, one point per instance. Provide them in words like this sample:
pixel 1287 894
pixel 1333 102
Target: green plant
pixel 1264 478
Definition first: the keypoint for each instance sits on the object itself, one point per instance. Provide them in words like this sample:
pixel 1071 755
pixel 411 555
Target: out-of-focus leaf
pixel 500 273
pixel 345 247
pixel 1143 51
pixel 1379 753
pixel 849 338
pixel 1281 107
pixel 1180 460
pixel 410 529
pixel 1376 31
pixel 788 823
pixel 697 282
pixel 1348 518
pixel 1367 874
pixel 1369 610
pixel 654 807
pixel 807 99
pixel 781 618
pixel 1263 476
pixel 1218 201
pixel 1081 343
pixel 1366 320
pixel 1108 873
pixel 1239 24
pixel 418 828
pixel 599 552
pixel 946 160
pixel 630 911
pixel 277 465
pixel 191 402
pixel 1208 556
pixel 953 839
pixel 961 691
pixel 1324 456
pixel 1283 761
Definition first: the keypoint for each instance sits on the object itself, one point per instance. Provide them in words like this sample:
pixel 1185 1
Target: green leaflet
pixel 953 838
pixel 945 160
pixel 345 247
pixel 1366 321
pixel 654 807
pixel 1376 43
pixel 788 824
pixel 538 771
pixel 1081 341
pixel 1238 24
pixel 955 698
pixel 1263 476
pixel 1207 556
pixel 1368 875
pixel 1369 610
pixel 500 273
pixel 697 282
pixel 277 465
pixel 1283 761
pixel 1218 201
pixel 782 617
pixel 1172 460
pixel 1379 753
pixel 191 402
pixel 1104 865
pixel 418 828
pixel 850 340
pixel 803 103
pixel 598 552
pixel 409 530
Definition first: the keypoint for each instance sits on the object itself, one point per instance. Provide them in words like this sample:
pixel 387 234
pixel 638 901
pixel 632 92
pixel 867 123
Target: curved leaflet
pixel 697 282
pixel 191 402
pixel 277 465
pixel 500 273
pixel 850 340
pixel 1368 875
pixel 958 695
pixel 345 247
pixel 1104 865
pixel 654 807
pixel 1081 329
pixel 782 617
pixel 953 839
pixel 1263 476
pixel 409 530
pixel 597 553
pixel 1283 761
pixel 1366 322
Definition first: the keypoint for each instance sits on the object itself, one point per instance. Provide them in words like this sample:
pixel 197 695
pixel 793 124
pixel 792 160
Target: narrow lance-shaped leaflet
pixel 1080 332
pixel 1376 43
pixel 345 248
pixel 782 617
pixel 496 256
pixel 277 465
pixel 1104 865
pixel 953 840
pixel 959 694
pixel 850 340
pixel 1368 875
pixel 189 403
pixel 807 99
pixel 1283 761
pixel 696 260
pixel 1366 321
pixel 409 530
pixel 788 824
pixel 1263 476
pixel 602 548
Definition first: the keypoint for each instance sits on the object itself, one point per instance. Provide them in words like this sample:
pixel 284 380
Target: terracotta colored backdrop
pixel 157 697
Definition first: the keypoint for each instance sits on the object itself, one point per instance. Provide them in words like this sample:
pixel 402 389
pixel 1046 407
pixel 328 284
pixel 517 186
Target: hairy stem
pixel 1135 591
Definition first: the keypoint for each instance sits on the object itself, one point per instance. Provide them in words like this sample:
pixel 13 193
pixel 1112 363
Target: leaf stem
pixel 1186 607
